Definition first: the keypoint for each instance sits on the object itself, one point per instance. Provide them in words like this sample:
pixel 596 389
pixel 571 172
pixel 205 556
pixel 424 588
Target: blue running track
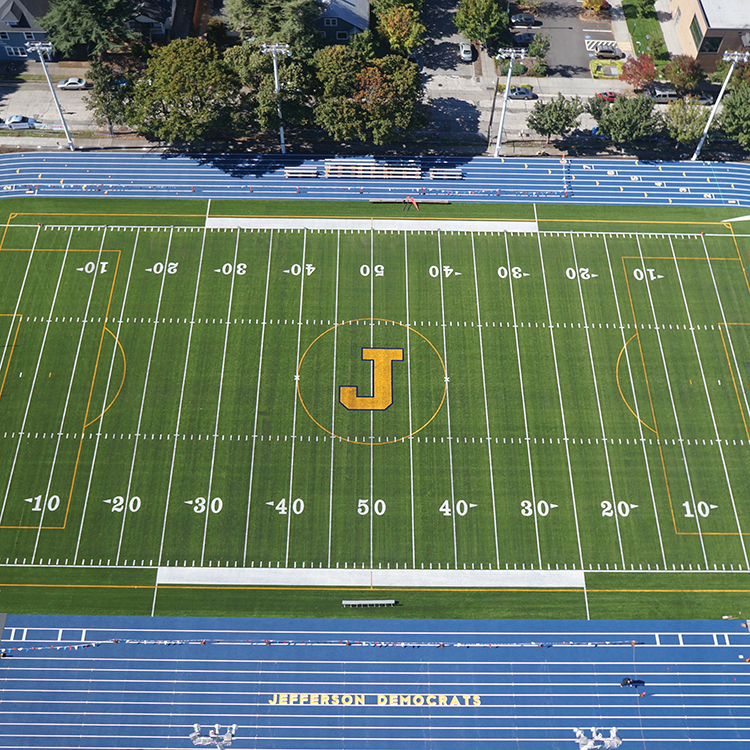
pixel 153 175
pixel 381 685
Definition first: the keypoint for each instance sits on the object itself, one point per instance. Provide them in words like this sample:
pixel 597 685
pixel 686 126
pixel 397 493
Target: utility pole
pixel 41 48
pixel 505 54
pixel 735 57
pixel 278 48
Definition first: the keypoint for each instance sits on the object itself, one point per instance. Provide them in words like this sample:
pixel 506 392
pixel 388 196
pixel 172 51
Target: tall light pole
pixel 735 57
pixel 41 48
pixel 278 48
pixel 505 54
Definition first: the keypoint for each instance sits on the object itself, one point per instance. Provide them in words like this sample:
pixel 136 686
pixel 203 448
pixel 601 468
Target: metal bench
pixel 306 172
pixel 368 602
pixel 446 174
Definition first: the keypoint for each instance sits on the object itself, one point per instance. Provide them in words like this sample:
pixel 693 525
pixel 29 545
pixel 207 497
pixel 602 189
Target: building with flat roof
pixel 709 28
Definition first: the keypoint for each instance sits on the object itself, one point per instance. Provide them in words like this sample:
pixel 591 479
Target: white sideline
pixel 400 225
pixel 365 578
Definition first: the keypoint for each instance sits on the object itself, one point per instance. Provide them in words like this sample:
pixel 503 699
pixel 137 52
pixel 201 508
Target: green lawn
pixel 171 396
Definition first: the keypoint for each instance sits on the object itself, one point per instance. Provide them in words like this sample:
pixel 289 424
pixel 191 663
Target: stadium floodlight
pixel 214 737
pixel 277 48
pixel 735 57
pixel 510 53
pixel 42 49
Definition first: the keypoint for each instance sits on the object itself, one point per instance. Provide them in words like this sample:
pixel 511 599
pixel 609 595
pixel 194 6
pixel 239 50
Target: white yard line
pixel 179 410
pixel 447 399
pixel 39 361
pixel 486 410
pixel 103 407
pixel 294 413
pixel 334 398
pixel 635 405
pixel 523 404
pixel 18 300
pixel 408 380
pixel 671 398
pixel 372 334
pixel 143 400
pixel 257 399
pixel 562 416
pixel 710 407
pixel 209 495
pixel 598 403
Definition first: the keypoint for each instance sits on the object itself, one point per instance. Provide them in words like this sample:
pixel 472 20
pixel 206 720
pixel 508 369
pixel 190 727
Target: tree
pixel 630 118
pixel 684 72
pixel 735 116
pixel 187 94
pixel 685 120
pixel 108 100
pixel 594 5
pixel 556 117
pixel 337 68
pixel 288 21
pixel 401 27
pixel 367 44
pixel 381 7
pixel 539 46
pixel 481 20
pixel 639 71
pixel 98 24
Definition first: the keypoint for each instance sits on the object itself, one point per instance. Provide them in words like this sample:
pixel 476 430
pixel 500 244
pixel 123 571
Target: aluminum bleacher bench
pixel 368 602
pixel 301 171
pixel 446 174
pixel 371 170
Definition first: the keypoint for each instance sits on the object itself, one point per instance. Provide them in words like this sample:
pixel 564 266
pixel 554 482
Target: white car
pixel 18 122
pixel 74 84
pixel 465 51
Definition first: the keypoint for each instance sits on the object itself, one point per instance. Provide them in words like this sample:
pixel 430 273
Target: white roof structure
pixel 727 14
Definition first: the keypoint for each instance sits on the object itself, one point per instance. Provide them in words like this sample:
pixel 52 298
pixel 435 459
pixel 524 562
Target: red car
pixel 608 96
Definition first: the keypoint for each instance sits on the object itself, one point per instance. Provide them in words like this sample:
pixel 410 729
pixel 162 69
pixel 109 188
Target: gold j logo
pixel 382 381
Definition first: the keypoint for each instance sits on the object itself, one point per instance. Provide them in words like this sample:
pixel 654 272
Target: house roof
pixel 13 11
pixel 355 12
pixel 727 14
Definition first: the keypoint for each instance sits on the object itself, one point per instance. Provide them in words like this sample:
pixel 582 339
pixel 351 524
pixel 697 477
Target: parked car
pixel 74 84
pixel 523 20
pixel 662 95
pixel 18 122
pixel 465 51
pixel 609 53
pixel 700 97
pixel 521 92
pixel 608 96
pixel 523 40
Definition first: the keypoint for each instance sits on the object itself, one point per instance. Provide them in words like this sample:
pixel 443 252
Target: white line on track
pixel 209 496
pixel 710 407
pixel 290 499
pixel 447 398
pixel 179 410
pixel 598 403
pixel 334 399
pixel 680 441
pixel 408 381
pixel 257 399
pixel 635 404
pixel 104 402
pixel 143 399
pixel 486 410
pixel 523 403
pixel 562 416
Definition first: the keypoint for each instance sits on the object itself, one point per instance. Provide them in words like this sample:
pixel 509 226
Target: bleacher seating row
pixel 372 170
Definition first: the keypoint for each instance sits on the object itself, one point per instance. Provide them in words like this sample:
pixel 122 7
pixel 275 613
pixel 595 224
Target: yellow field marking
pixel 667 591
pixel 71 585
pixel 382 381
pixel 637 221
pixel 362 442
pixel 12 346
pixel 619 388
pixel 124 370
pixel 91 390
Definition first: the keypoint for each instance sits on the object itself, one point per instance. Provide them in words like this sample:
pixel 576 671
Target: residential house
pixel 19 23
pixel 340 19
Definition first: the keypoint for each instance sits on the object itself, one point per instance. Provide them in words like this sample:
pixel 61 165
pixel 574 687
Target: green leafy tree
pixel 639 71
pixel 187 94
pixel 337 68
pixel 482 20
pixel 735 116
pixel 684 72
pixel 368 44
pixel 288 21
pixel 402 28
pixel 630 118
pixel 108 99
pixel 685 120
pixel 381 7
pixel 556 117
pixel 539 46
pixel 100 25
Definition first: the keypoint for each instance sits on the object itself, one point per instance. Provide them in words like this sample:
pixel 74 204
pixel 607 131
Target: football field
pixel 328 399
